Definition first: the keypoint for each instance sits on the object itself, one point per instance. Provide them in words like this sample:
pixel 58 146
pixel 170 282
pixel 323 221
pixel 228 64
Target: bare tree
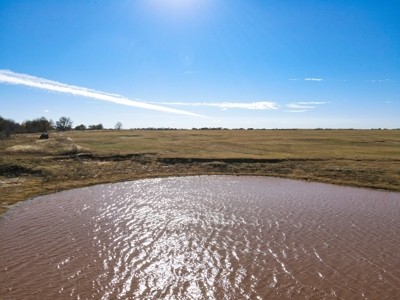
pixel 64 124
pixel 118 126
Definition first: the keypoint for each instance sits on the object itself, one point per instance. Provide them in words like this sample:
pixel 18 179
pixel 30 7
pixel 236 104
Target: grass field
pixel 30 167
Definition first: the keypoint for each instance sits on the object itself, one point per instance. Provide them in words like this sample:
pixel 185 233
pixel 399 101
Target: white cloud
pixel 226 105
pixel 381 80
pixel 313 79
pixel 297 111
pixel 293 79
pixel 312 103
pixel 46 110
pixel 252 105
pixel 303 106
pixel 9 77
pixel 298 106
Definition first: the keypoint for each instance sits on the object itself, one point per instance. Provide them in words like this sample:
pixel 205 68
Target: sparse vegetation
pixel 30 167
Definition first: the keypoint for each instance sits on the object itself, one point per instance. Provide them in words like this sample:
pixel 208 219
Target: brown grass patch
pixel 59 145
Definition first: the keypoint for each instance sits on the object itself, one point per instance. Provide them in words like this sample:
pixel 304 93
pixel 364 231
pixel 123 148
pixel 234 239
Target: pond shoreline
pixel 26 178
pixel 30 167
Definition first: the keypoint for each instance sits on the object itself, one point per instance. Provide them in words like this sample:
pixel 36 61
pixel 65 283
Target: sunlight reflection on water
pixel 213 237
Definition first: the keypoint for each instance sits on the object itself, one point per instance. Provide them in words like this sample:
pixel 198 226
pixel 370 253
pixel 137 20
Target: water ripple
pixel 215 237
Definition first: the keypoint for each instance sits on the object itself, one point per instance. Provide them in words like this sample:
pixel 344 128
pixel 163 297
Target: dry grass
pixel 246 143
pixel 45 148
pixel 30 167
pixel 59 145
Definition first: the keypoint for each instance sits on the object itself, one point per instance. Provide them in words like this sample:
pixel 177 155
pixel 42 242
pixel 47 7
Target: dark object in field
pixel 44 136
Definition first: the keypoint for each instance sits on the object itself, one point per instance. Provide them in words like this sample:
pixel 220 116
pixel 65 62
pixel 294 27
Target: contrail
pixel 7 76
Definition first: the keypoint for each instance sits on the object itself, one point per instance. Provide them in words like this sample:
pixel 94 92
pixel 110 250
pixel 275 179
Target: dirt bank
pixel 24 179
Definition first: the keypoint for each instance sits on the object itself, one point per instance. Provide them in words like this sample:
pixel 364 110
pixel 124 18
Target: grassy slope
pixel 29 167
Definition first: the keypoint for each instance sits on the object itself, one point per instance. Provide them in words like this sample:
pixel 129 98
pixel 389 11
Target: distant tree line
pixel 37 125
pixel 9 127
pixel 96 127
pixel 90 127
pixel 282 129
pixel 118 126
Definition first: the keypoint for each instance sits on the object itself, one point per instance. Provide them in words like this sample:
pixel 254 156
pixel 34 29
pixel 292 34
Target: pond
pixel 203 237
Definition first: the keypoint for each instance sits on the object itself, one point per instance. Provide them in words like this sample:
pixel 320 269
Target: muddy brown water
pixel 205 237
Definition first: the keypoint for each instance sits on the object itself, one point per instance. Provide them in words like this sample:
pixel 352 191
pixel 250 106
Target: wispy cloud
pixel 380 80
pixel 297 111
pixel 313 79
pixel 307 79
pixel 10 77
pixel 299 107
pixel 226 105
pixel 312 103
pixel 46 110
pixel 293 105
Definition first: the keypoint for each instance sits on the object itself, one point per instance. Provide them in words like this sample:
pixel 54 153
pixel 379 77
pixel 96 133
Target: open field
pixel 30 167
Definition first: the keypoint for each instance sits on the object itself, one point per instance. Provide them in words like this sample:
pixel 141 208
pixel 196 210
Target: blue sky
pixel 202 63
